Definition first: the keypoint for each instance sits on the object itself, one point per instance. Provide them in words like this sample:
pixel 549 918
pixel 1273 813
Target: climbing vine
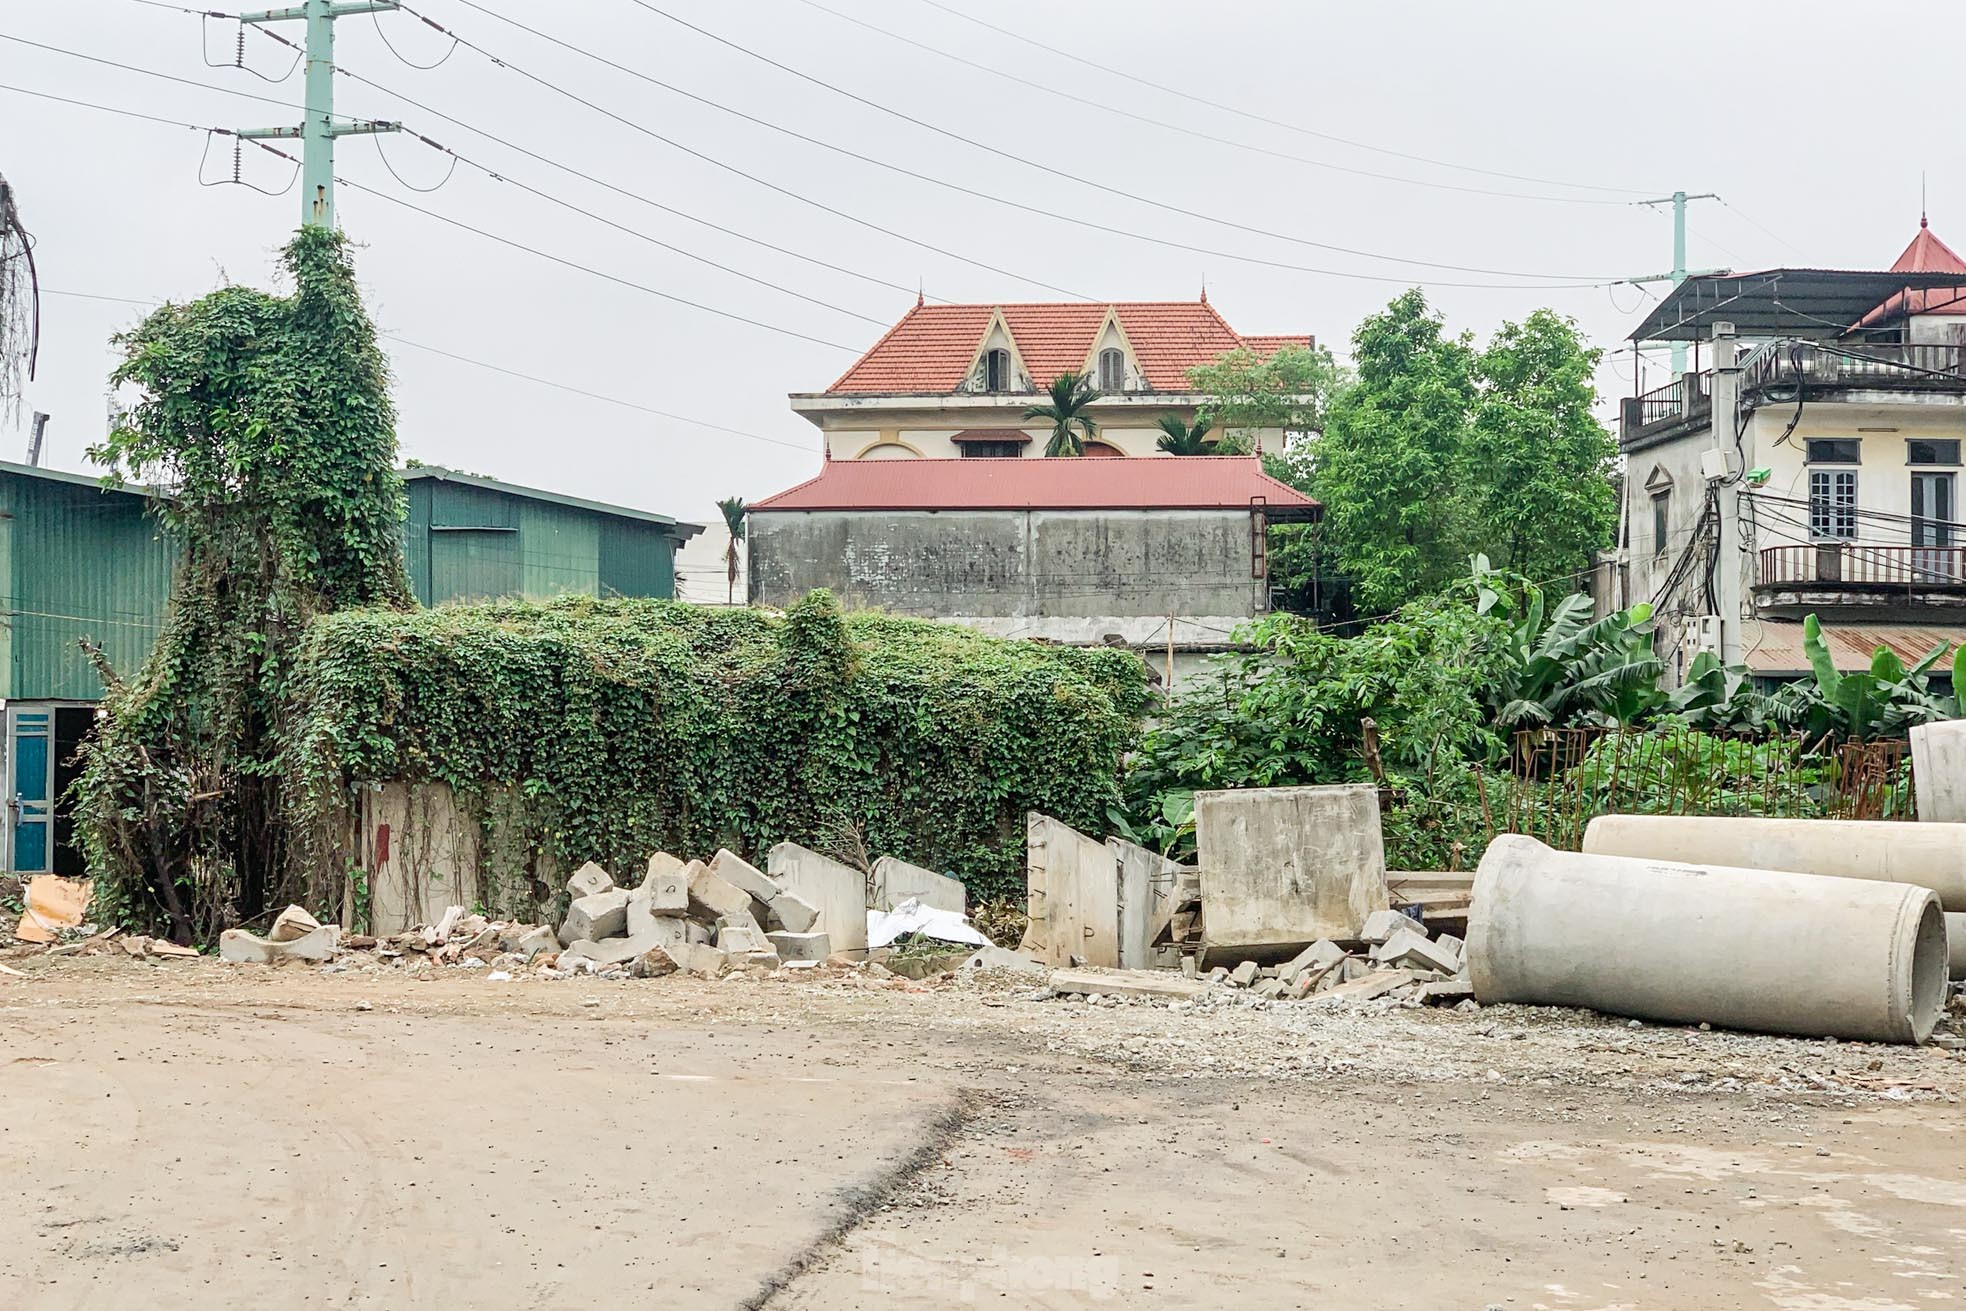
pixel 268 418
pixel 586 729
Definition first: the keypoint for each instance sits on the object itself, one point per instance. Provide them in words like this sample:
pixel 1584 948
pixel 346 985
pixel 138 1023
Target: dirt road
pixel 188 1134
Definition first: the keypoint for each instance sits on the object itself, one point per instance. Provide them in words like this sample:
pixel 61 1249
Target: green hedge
pixel 623 726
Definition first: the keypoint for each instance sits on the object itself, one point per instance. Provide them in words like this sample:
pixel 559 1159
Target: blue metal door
pixel 31 756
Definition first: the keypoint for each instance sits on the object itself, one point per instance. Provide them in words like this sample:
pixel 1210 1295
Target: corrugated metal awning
pixel 1775 651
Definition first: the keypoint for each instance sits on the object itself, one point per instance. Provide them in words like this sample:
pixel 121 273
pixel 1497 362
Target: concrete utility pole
pixel 318 129
pixel 1679 272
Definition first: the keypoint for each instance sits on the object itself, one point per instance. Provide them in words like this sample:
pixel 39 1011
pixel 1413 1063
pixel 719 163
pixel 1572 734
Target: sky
pixel 1363 144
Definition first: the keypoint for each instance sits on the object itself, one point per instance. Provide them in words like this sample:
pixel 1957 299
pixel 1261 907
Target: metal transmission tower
pixel 318 128
pixel 1679 272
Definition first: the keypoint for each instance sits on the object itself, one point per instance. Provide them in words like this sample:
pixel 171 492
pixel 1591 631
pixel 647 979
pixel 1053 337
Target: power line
pixel 623 191
pixel 489 236
pixel 1165 89
pixel 498 368
pixel 788 192
pixel 933 181
pixel 1103 107
pixel 1062 174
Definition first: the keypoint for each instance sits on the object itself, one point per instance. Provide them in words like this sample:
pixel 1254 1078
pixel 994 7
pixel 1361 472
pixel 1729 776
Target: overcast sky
pixel 1812 119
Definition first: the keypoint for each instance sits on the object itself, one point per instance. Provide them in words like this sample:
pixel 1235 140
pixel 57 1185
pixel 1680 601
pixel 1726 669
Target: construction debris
pixel 53 904
pixel 295 935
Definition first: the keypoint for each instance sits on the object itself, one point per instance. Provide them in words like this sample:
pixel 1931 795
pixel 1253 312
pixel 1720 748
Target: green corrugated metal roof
pixel 683 531
pixel 77 479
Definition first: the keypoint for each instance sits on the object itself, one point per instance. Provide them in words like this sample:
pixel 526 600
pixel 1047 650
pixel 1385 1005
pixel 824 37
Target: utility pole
pixel 318 129
pixel 1679 272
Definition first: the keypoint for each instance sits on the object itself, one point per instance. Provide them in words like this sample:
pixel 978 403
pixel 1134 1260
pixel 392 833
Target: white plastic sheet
pixel 883 927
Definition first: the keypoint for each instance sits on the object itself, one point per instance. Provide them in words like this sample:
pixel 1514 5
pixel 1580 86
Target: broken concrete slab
pixel 1376 983
pixel 536 940
pixel 1383 924
pixel 741 873
pixel 1270 988
pixel 1147 882
pixel 1447 992
pixel 790 913
pixel 1320 955
pixel 588 881
pixel 291 923
pixel 1245 974
pixel 608 951
pixel 896 881
pixel 250 949
pixel 1407 948
pixel 1126 983
pixel 800 946
pixel 665 891
pixel 1074 896
pixel 1283 867
pixel 998 958
pixel 697 958
pixel 1352 968
pixel 838 892
pixel 737 934
pixel 712 897
pixel 600 915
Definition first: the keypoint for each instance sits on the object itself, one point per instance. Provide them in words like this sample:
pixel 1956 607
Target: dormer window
pixel 996 370
pixel 1112 370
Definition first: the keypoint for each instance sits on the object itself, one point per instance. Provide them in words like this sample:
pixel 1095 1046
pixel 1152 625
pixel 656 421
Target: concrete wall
pixel 419 848
pixel 1063 574
pixel 1282 867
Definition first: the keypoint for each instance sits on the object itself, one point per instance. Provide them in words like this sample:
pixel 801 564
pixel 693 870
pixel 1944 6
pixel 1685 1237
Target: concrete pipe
pixel 1956 945
pixel 1743 948
pixel 1923 855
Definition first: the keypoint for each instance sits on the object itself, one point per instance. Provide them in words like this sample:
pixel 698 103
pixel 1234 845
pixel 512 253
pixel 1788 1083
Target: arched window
pixel 1112 370
pixel 1104 450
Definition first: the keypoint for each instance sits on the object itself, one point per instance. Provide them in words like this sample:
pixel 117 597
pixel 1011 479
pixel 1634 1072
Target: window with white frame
pixel 1833 503
pixel 1112 370
pixel 996 370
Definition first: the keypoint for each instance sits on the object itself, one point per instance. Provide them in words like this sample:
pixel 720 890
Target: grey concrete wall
pixel 1074 896
pixel 420 849
pixel 1073 571
pixel 1283 867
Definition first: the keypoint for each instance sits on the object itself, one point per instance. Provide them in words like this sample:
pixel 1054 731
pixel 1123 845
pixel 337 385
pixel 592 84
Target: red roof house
pixel 1199 482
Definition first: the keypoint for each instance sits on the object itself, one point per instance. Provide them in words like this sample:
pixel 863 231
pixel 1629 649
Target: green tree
pixel 1542 461
pixel 1178 438
pixel 733 508
pixel 270 419
pixel 1248 391
pixel 1392 467
pixel 1069 414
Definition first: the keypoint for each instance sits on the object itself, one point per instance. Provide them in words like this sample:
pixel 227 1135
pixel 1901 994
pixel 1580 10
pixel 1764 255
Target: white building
pixel 1811 468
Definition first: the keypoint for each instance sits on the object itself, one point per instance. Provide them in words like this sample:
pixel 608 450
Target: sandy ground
pixel 188 1134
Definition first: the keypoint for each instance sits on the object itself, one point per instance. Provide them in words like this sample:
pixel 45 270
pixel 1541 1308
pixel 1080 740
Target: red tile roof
pixel 1925 254
pixel 1144 482
pixel 932 347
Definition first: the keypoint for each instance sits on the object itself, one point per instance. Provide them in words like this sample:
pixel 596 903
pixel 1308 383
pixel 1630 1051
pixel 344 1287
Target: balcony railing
pixel 1871 364
pixel 1849 564
pixel 1684 397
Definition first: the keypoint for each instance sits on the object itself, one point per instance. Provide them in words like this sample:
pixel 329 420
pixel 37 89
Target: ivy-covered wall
pixel 625 726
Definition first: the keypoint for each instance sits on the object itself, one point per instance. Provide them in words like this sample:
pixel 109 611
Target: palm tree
pixel 733 508
pixel 1181 439
pixel 1072 395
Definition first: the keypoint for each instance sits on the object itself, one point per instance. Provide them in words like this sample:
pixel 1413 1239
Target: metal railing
pixel 1870 364
pixel 1849 564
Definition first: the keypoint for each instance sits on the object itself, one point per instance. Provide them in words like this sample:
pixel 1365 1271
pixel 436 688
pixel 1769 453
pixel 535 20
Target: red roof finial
pixel 1204 291
pixel 921 295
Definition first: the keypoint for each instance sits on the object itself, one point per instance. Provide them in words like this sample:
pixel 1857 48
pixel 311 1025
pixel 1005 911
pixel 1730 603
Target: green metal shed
pixel 470 538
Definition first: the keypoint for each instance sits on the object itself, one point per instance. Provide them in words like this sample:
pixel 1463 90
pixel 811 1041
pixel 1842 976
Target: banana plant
pixel 1866 704
pixel 1562 665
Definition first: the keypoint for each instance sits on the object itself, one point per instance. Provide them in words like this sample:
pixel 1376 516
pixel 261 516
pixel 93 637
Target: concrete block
pixel 896 881
pixel 714 898
pixel 1449 942
pixel 838 892
pixel 607 951
pixel 697 958
pixel 1448 992
pixel 601 915
pixel 800 946
pixel 666 889
pixel 1352 969
pixel 997 958
pixel 1376 983
pixel 741 873
pixel 1383 924
pixel 735 935
pixel 655 963
pixel 249 948
pixel 1320 955
pixel 1270 988
pixel 535 940
pixel 1938 773
pixel 1190 968
pixel 1244 974
pixel 1281 867
pixel 588 881
pixel 791 913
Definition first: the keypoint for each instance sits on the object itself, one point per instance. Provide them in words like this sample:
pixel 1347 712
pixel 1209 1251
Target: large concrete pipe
pixel 1924 855
pixel 1956 945
pixel 1744 948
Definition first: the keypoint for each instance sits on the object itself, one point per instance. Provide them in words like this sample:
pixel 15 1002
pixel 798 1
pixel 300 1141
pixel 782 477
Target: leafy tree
pixel 1248 391
pixel 1392 467
pixel 1069 414
pixel 1541 462
pixel 733 508
pixel 1178 438
pixel 270 418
